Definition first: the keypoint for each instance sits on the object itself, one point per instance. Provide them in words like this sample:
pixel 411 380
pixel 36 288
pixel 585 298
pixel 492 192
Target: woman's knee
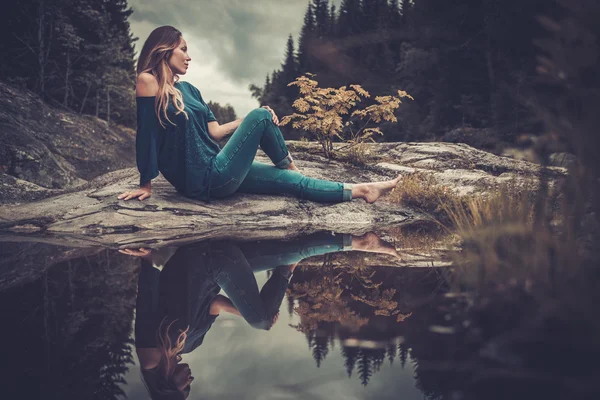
pixel 264 324
pixel 259 114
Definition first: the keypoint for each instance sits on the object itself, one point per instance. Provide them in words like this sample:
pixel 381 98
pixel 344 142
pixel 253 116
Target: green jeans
pixel 236 171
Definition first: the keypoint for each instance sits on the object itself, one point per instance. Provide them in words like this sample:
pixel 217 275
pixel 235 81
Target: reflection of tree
pixel 391 352
pixel 320 349
pixel 321 301
pixel 365 369
pixel 79 321
pixel 369 362
pixel 358 304
pixel 350 355
pixel 290 305
pixel 403 349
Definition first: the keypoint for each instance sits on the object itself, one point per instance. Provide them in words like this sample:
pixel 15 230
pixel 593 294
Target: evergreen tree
pixel 365 367
pixel 391 353
pixel 320 349
pixel 289 68
pixel 395 15
pixel 306 36
pixel 403 350
pixel 72 51
pixel 405 10
pixel 349 21
pixel 350 355
pixel 290 305
pixel 223 114
pixel 321 8
pixel 332 21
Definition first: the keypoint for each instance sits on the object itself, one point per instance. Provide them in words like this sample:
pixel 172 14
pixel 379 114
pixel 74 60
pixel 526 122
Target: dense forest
pixel 77 55
pixel 467 63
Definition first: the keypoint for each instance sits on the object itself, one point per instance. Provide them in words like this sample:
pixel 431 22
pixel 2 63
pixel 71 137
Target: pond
pixel 327 315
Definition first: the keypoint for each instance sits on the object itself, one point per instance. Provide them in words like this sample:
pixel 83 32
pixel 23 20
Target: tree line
pixel 467 63
pixel 77 55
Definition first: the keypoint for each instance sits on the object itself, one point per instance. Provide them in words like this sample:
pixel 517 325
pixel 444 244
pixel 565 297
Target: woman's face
pixel 179 59
pixel 182 377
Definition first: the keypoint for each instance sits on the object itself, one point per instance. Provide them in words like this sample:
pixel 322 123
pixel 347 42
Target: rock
pixel 54 149
pixel 564 160
pixel 55 186
pixel 92 215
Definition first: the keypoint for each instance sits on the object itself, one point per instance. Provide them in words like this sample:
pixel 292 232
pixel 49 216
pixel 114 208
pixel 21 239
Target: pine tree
pixel 332 21
pixel 405 10
pixel 395 15
pixel 349 20
pixel 304 42
pixel 223 114
pixel 350 355
pixel 321 8
pixel 289 67
pixel 391 353
pixel 365 367
pixel 403 354
pixel 320 349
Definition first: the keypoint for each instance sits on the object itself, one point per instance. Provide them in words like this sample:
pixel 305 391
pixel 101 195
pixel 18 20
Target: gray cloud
pixel 247 38
pixel 232 43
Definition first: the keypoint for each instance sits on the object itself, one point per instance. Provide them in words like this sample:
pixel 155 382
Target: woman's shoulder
pixel 146 85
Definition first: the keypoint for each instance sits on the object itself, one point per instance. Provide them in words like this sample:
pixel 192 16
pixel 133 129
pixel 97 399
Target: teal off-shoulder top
pixel 184 153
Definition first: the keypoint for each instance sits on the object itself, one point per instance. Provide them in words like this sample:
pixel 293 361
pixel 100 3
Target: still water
pixel 325 316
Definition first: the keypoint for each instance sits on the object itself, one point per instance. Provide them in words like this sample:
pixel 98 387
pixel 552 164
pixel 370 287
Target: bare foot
pixel 293 167
pixel 372 243
pixel 373 190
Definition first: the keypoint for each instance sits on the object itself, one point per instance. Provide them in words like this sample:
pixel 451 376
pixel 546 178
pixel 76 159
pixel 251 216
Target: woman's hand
pixel 142 253
pixel 275 119
pixel 141 194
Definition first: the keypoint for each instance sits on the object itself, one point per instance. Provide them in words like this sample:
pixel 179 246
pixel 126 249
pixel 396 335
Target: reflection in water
pixel 66 334
pixel 178 295
pixel 395 331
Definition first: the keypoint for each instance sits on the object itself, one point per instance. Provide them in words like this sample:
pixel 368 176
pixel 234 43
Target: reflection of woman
pixel 178 303
pixel 177 135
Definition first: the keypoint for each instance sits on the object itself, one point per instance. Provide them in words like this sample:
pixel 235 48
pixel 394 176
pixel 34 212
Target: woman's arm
pixel 146 90
pixel 222 303
pixel 219 132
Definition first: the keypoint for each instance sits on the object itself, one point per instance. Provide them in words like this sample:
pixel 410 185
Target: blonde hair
pixel 154 59
pixel 169 351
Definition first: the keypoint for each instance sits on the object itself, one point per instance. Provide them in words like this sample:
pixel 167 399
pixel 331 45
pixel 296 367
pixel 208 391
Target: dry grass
pixel 423 192
pixel 422 237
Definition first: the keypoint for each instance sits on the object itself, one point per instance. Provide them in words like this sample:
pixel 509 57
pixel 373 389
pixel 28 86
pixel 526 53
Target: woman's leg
pixel 234 160
pixel 268 254
pixel 235 276
pixel 235 168
pixel 266 179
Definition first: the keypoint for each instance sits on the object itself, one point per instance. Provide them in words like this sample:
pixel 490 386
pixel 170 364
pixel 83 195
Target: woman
pixel 177 135
pixel 178 295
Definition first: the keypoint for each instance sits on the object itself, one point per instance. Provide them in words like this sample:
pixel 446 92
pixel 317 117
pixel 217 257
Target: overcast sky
pixel 232 43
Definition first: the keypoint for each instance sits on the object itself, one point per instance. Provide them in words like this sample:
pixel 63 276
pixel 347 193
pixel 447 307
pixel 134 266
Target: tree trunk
pixel 107 106
pixel 85 97
pixel 41 63
pixel 66 97
pixel 97 103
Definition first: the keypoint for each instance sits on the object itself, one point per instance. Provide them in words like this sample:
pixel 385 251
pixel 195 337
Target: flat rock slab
pixel 92 215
